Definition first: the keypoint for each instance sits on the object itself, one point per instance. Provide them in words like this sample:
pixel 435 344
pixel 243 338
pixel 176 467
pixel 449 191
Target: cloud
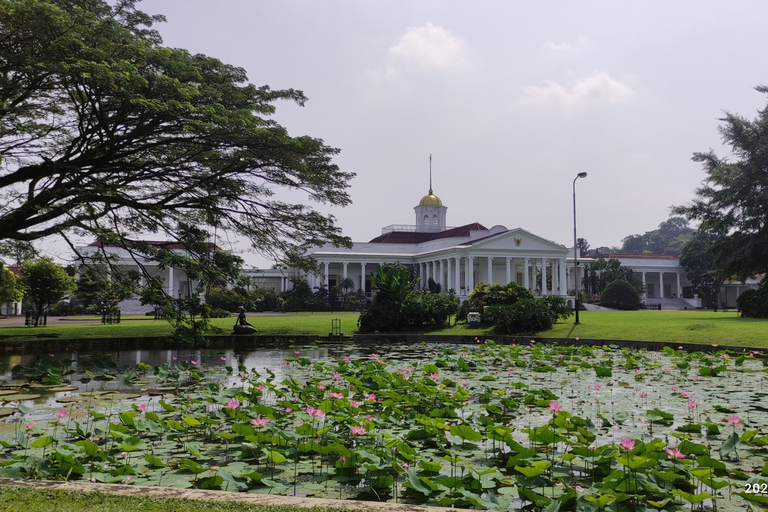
pixel 595 90
pixel 427 49
pixel 582 42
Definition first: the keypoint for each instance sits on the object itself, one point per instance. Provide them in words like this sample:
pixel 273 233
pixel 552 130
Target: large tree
pixel 105 131
pixel 734 198
pixel 699 263
pixel 45 283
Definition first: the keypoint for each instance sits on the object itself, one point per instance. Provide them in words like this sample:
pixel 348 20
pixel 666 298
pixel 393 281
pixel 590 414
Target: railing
pixel 413 229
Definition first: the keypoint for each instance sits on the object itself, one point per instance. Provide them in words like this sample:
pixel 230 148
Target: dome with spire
pixel 430 200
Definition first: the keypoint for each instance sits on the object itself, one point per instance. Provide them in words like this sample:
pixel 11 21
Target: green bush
pixel 526 316
pixel 754 303
pixel 620 295
pixel 220 313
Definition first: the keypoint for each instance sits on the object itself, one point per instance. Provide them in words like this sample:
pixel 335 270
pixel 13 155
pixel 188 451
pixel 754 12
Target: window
pixel 434 220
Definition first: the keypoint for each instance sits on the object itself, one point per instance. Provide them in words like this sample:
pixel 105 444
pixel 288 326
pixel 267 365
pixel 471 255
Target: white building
pixel 457 258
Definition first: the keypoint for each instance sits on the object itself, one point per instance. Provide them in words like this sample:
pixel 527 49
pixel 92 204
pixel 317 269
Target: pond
pixel 489 426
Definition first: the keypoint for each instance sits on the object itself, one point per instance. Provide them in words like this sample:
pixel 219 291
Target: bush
pixel 621 295
pixel 754 303
pixel 220 313
pixel 526 316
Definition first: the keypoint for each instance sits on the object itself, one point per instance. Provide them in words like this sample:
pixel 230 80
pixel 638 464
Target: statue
pixel 241 325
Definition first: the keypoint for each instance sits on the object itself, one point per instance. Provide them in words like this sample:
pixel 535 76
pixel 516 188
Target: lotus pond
pixel 486 426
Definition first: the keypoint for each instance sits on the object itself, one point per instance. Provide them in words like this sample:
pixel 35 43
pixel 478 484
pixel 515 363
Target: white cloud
pixel 582 42
pixel 427 49
pixel 594 90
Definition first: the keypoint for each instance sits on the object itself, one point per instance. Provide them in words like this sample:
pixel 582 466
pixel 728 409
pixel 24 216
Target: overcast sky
pixel 512 99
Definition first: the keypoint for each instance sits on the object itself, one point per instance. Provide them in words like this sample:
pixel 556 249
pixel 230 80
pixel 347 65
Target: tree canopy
pixel 669 238
pixel 45 283
pixel 104 131
pixel 733 201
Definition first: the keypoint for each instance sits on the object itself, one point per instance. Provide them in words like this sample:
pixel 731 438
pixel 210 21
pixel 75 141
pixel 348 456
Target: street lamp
pixel 575 250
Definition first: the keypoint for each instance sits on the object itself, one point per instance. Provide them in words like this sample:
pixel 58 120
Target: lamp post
pixel 575 249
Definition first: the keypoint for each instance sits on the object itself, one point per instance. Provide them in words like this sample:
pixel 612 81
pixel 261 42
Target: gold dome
pixel 430 200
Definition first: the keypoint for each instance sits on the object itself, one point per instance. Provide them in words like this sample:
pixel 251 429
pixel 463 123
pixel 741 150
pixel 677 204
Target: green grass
pixel 47 500
pixel 706 327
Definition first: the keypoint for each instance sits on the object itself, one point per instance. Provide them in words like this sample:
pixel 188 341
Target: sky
pixel 512 99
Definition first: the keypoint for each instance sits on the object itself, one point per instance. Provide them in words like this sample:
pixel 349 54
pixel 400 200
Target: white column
pixel 457 270
pixel 490 270
pixel 442 275
pixel 661 284
pixel 170 281
pixel 326 274
pixel 362 276
pixel 344 272
pixel 679 293
pixel 509 270
pixel 526 275
pixel 645 290
pixel 561 280
pixel 448 275
pixel 469 271
pixel 543 276
pixel 422 277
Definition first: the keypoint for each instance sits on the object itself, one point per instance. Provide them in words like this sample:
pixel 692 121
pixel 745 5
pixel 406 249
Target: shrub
pixel 220 313
pixel 754 303
pixel 526 316
pixel 621 295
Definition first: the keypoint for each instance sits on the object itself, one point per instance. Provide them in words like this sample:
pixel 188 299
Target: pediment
pixel 518 240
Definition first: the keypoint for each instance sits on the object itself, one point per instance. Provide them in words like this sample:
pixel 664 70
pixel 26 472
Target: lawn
pixel 39 500
pixel 707 327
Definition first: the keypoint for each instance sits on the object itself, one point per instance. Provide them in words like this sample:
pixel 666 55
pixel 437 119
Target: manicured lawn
pixel 706 327
pixel 42 500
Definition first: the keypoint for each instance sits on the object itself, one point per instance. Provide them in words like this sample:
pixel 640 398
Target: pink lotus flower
pixel 233 404
pixel 336 376
pixel 597 387
pixel 141 407
pixel 680 347
pixel 296 352
pixel 29 426
pixel 61 413
pixel 335 395
pixel 724 356
pixel 371 396
pixel 675 388
pixel 243 375
pixel 733 420
pixel 259 422
pixel 223 358
pixel 695 377
pixel 375 355
pixel 369 417
pixel 627 444
pixel 675 453
pixel 316 413
pixel 321 387
pixel 692 404
pixel 342 460
pixel 346 358
pixel 357 431
pixel 194 363
pixel 434 376
pixel 554 406
pixel 353 403
pixel 686 395
pixel 578 488
pixel 288 410
pixel 406 377
pixel 260 387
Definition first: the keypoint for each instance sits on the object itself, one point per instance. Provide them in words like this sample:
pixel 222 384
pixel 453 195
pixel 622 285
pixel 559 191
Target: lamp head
pixel 582 175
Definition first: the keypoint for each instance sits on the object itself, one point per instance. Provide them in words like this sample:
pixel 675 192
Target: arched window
pixel 434 220
pixel 426 220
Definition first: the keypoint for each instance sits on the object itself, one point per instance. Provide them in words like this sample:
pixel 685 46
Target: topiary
pixel 619 294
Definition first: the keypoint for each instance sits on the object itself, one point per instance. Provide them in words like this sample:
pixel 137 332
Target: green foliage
pixel 513 309
pixel 669 238
pixel 397 307
pixel 699 262
pixel 603 271
pixel 229 299
pixel 732 201
pixel 45 283
pixel 11 288
pixel 620 295
pixel 508 294
pixel 754 303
